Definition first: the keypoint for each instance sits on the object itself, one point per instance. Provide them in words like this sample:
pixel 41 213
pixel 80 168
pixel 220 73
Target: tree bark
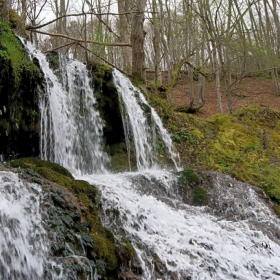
pixel 137 40
pixel 124 7
pixel 5 6
pixel 156 44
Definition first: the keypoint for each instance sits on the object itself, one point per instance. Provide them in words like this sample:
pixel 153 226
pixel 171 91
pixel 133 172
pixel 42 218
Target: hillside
pixel 251 90
pixel 244 144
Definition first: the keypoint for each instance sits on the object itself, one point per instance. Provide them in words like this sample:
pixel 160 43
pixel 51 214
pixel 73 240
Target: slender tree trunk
pixel 124 7
pixel 227 64
pixel 23 10
pixel 5 6
pixel 156 44
pixel 137 40
pixel 201 78
pixel 217 68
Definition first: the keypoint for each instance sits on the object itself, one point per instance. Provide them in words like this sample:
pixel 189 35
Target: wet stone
pixel 82 227
pixel 23 176
pixel 76 216
pixel 58 200
pixel 31 172
pixel 37 181
pixel 87 240
pixel 71 236
pixel 71 207
pixel 67 220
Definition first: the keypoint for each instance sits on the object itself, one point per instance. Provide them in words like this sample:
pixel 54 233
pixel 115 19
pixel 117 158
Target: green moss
pixel 245 145
pixel 276 209
pixel 102 72
pixel 16 23
pixel 36 163
pixel 105 249
pixel 200 197
pixel 182 136
pixel 125 251
pixel 187 177
pixel 13 51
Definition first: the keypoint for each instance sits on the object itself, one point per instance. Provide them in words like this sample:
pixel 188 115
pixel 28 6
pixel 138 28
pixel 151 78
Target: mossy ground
pixel 245 145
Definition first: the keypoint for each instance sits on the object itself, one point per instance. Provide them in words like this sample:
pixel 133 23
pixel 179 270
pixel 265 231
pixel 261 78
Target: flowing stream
pixel 193 242
pixel 24 246
pixel 236 237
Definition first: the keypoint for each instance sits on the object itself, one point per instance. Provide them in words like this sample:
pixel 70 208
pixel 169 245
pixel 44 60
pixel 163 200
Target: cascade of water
pixel 71 127
pixel 214 242
pixel 24 249
pixel 141 124
pixel 192 242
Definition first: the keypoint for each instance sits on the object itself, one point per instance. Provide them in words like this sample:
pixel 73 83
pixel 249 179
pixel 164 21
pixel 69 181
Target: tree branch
pixel 73 15
pixel 106 61
pixel 82 40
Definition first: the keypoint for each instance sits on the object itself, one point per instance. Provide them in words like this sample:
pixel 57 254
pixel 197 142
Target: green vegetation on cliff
pixel 20 79
pixel 12 52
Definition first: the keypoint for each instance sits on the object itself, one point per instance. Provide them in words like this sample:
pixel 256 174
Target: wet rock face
pixel 233 200
pixel 19 112
pixel 71 245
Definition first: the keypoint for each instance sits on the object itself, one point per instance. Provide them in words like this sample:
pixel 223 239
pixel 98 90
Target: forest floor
pixel 251 90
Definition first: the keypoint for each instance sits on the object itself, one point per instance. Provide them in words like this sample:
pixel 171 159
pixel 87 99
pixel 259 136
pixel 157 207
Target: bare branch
pixel 82 40
pixel 73 15
pixel 106 61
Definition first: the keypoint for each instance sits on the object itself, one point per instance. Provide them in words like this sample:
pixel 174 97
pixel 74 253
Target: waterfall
pixel 142 124
pixel 235 237
pixel 23 242
pixel 71 127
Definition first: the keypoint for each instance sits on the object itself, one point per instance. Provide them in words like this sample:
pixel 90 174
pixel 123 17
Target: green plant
pixel 200 197
pixel 187 177
pixel 183 136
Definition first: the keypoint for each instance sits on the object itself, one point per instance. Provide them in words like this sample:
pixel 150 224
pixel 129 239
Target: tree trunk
pixel 124 30
pixel 5 6
pixel 156 44
pixel 137 40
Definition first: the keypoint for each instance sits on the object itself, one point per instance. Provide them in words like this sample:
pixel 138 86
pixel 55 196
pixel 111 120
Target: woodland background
pixel 214 51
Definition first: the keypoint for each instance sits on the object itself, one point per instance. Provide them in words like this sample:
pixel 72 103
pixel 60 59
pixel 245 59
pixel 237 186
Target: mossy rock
pixel 200 197
pixel 36 163
pixel 103 239
pixel 105 249
pixel 20 79
pixel 187 177
pixel 16 23
pixel 245 145
pixel 125 251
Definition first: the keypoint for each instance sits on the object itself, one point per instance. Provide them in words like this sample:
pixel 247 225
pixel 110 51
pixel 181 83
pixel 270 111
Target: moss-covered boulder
pixel 245 145
pixel 189 186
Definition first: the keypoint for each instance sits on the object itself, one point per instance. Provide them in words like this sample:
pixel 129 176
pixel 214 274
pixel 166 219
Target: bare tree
pixel 137 39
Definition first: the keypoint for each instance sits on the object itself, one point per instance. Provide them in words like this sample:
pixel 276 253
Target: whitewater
pixel 231 238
